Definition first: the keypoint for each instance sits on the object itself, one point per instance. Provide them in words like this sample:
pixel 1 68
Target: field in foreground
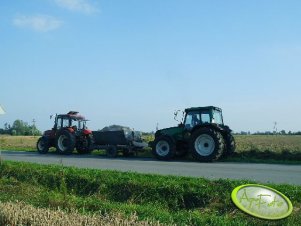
pixel 151 198
pixel 249 148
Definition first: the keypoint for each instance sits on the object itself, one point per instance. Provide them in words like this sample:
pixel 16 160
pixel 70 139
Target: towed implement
pixel 116 139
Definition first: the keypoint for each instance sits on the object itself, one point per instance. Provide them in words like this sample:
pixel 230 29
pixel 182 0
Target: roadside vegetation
pixel 151 198
pixel 20 213
pixel 267 148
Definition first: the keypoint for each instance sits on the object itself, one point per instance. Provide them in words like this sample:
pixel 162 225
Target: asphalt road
pixel 288 174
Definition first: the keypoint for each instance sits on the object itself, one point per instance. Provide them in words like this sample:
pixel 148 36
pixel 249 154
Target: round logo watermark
pixel 262 201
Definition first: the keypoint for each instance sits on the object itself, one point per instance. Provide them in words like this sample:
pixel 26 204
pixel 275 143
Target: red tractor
pixel 69 132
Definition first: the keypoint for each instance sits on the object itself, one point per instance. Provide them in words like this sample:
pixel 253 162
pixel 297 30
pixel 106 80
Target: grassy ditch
pixel 167 199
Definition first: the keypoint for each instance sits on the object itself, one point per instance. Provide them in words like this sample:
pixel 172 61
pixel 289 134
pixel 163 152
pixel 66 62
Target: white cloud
pixel 82 6
pixel 41 23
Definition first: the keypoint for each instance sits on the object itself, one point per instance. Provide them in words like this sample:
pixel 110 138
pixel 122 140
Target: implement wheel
pixel 112 151
pixel 85 146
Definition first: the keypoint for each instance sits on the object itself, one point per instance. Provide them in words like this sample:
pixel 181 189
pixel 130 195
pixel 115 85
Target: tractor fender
pixel 87 131
pixel 151 143
pixel 212 126
pixel 49 133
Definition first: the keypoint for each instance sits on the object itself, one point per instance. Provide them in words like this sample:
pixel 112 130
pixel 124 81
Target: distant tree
pixel 20 127
pixel 7 126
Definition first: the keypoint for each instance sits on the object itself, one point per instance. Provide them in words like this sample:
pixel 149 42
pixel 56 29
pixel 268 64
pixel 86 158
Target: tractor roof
pixel 73 115
pixel 202 108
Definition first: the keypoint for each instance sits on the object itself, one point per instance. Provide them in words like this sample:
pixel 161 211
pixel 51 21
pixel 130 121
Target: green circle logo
pixel 261 201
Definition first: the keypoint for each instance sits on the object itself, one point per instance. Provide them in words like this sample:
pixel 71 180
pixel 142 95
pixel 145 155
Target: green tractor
pixel 201 132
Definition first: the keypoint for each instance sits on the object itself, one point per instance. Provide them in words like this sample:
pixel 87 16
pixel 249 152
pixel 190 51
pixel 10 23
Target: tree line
pixel 20 128
pixel 281 132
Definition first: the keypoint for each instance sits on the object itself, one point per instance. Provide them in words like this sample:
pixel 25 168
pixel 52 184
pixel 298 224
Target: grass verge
pixel 175 200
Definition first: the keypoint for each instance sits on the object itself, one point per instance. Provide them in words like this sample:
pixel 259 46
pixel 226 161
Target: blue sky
pixel 134 62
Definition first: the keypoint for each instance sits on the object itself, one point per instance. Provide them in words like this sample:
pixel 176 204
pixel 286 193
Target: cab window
pixel 192 119
pixel 205 116
pixel 59 123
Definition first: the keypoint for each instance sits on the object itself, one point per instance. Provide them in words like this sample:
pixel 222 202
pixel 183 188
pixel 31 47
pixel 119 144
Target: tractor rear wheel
pixel 164 148
pixel 65 142
pixel 230 145
pixel 42 145
pixel 206 145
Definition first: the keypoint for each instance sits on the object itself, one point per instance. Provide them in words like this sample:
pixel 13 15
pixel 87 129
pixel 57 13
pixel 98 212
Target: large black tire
pixel 86 145
pixel 65 142
pixel 128 152
pixel 230 145
pixel 43 145
pixel 164 148
pixel 206 145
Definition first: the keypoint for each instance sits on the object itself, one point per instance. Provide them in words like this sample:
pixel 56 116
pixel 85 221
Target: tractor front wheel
pixel 42 145
pixel 164 148
pixel 206 145
pixel 65 142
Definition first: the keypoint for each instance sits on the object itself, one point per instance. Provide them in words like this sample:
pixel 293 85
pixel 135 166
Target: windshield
pixel 192 119
pixel 79 124
pixel 217 117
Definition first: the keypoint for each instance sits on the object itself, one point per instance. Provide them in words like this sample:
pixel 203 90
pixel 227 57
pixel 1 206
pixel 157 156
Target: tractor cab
pixel 201 133
pixel 202 115
pixel 72 120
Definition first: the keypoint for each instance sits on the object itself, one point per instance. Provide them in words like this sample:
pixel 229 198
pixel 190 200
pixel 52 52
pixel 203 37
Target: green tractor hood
pixel 174 132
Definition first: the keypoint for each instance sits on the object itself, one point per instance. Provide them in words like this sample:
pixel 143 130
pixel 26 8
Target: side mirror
pixel 176 115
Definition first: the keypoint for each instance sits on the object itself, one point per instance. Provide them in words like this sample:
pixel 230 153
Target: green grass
pixel 168 199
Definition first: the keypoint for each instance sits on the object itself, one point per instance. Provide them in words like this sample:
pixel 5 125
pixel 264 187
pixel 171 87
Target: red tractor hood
pixel 87 131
